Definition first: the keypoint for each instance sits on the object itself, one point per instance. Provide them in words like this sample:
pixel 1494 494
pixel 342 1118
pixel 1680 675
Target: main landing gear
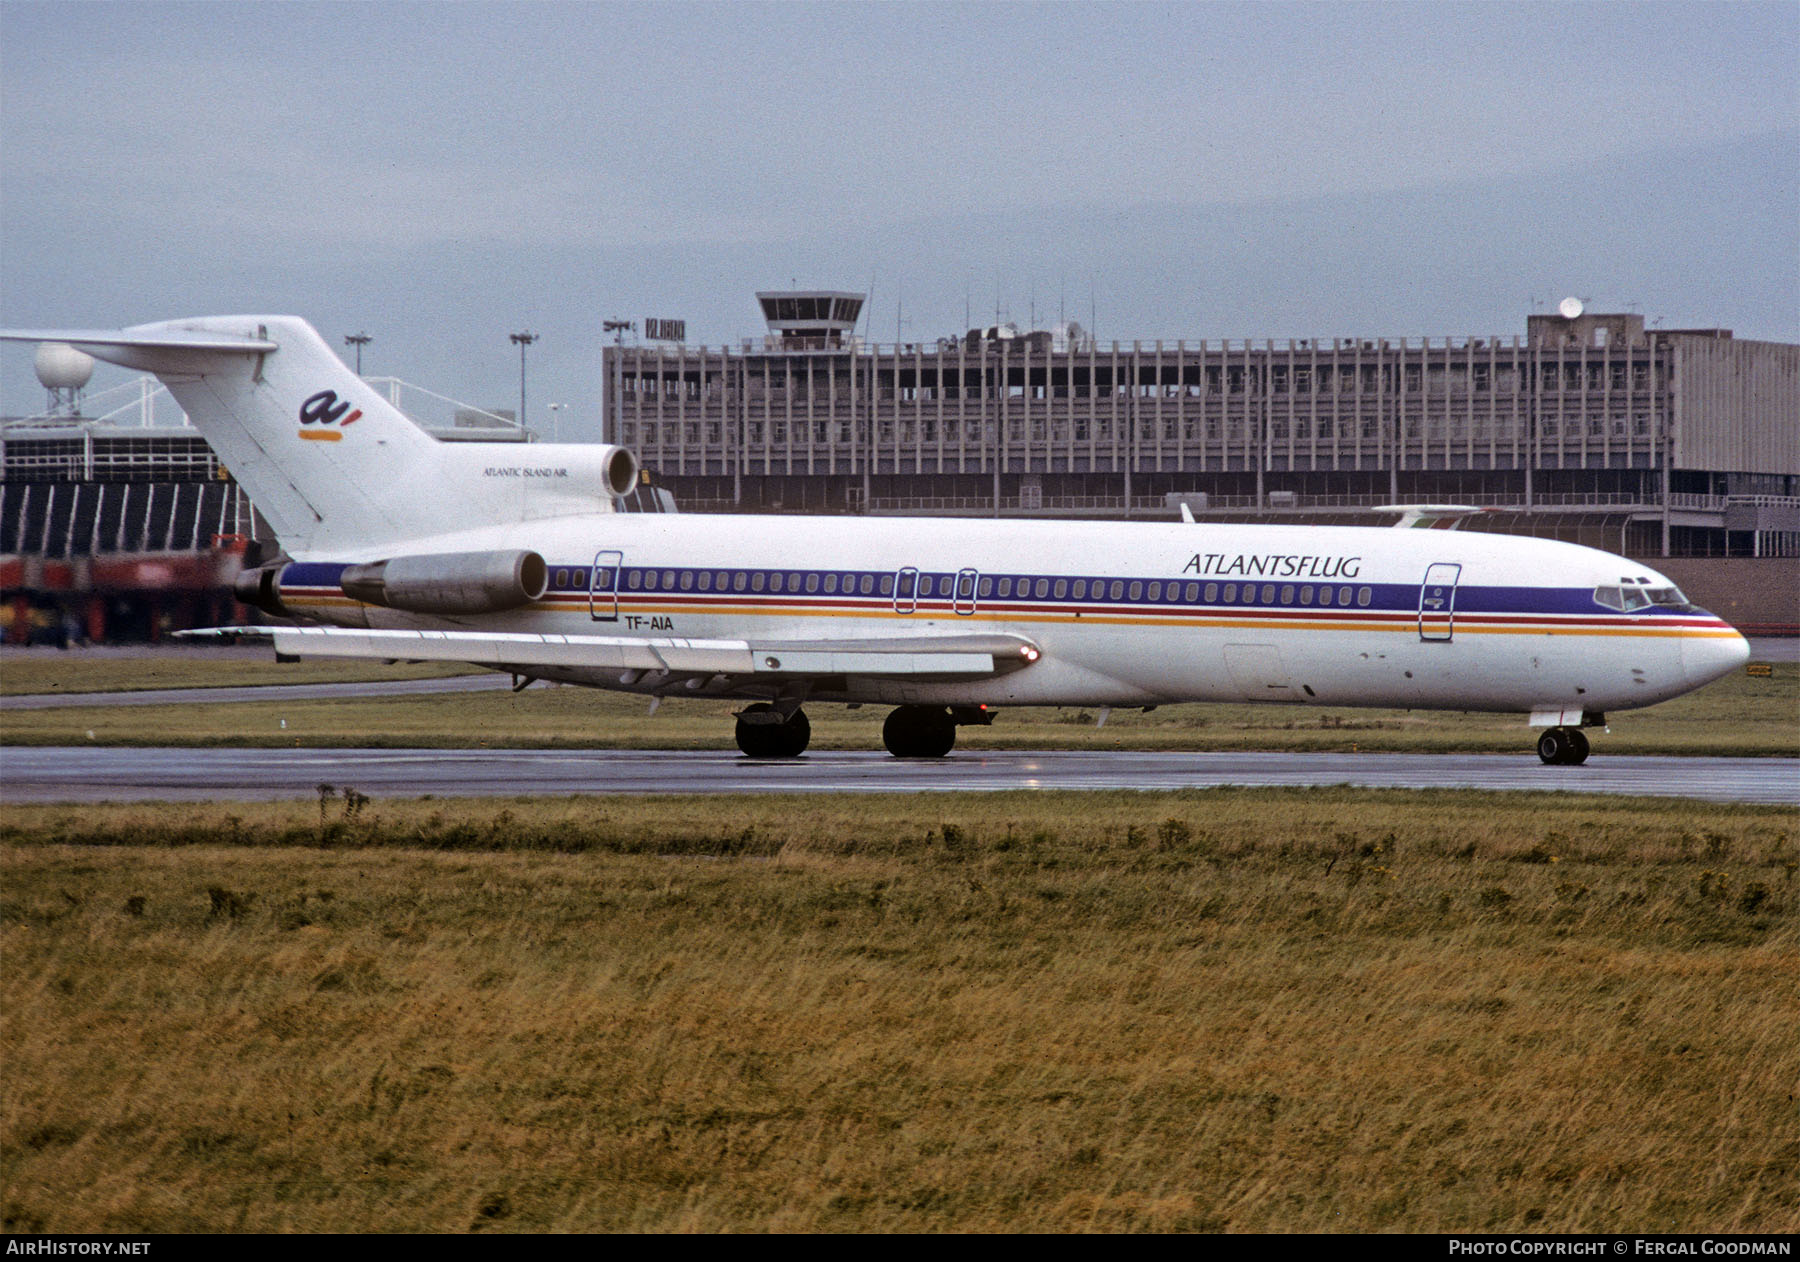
pixel 912 731
pixel 919 731
pixel 764 732
pixel 1563 747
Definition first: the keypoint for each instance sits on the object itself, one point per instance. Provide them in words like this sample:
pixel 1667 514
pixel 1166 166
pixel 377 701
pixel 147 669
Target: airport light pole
pixel 358 340
pixel 522 340
pixel 618 328
pixel 556 421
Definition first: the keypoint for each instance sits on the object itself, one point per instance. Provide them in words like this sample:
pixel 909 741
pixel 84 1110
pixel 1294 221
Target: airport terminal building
pixel 1589 426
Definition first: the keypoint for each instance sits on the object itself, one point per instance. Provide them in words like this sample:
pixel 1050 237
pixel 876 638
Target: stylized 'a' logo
pixel 325 409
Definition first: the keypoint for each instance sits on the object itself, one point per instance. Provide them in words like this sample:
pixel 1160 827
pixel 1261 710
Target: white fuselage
pixel 1163 613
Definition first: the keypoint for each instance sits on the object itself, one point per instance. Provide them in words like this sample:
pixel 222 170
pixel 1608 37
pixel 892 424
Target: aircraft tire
pixel 919 731
pixel 1578 748
pixel 1563 747
pixel 772 740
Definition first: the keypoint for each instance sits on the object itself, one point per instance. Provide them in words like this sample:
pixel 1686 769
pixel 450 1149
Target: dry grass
pixel 1227 1010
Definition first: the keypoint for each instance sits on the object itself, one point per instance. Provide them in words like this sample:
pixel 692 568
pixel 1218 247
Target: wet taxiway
pixel 95 774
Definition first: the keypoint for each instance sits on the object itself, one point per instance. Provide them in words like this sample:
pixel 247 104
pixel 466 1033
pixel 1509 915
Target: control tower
pixel 810 319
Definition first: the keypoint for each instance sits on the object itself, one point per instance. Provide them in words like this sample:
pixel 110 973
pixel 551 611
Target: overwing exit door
pixel 603 586
pixel 1437 600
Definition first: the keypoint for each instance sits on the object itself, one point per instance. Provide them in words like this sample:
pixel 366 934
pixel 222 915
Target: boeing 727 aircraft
pixel 513 558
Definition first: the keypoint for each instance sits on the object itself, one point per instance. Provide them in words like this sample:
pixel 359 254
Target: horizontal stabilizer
pixel 161 339
pixel 1431 516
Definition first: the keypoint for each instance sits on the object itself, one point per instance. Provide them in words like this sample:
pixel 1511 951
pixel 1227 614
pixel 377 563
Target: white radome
pixel 62 367
pixel 1570 308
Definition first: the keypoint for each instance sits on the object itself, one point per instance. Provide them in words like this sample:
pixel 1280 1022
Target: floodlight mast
pixel 522 340
pixel 358 340
pixel 618 328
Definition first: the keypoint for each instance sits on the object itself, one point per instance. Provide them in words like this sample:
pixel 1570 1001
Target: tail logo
pixel 326 411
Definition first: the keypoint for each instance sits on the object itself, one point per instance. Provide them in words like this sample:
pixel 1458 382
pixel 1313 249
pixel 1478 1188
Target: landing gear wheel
pixel 1578 748
pixel 919 731
pixel 1563 747
pixel 761 732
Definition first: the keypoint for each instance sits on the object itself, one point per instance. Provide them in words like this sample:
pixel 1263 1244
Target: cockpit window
pixel 1668 597
pixel 1629 598
pixel 1624 599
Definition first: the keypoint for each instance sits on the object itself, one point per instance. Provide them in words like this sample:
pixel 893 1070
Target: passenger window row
pixel 1005 587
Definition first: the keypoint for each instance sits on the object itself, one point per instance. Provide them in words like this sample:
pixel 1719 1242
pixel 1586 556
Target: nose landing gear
pixel 1563 747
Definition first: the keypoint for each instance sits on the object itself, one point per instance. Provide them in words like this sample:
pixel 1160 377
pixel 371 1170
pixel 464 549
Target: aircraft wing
pixel 937 656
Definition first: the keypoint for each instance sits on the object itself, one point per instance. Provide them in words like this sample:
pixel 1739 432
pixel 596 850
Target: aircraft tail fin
pixel 331 464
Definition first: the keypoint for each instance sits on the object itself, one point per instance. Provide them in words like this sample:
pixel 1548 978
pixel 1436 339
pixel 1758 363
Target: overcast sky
pixel 442 174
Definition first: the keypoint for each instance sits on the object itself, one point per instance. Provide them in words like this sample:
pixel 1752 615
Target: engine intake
pixel 450 582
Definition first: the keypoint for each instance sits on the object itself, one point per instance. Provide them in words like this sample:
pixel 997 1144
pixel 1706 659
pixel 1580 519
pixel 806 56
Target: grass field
pixel 1738 715
pixel 1225 1010
pixel 25 671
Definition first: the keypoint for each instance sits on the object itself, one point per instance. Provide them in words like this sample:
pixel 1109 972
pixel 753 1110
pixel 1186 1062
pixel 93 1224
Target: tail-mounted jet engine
pixel 450 582
pixel 439 583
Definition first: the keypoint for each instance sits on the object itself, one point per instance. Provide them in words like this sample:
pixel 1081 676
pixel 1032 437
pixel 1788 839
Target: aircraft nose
pixel 1705 658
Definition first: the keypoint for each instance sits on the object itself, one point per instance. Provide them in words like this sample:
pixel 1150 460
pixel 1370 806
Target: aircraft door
pixel 603 586
pixel 962 599
pixel 1437 601
pixel 906 589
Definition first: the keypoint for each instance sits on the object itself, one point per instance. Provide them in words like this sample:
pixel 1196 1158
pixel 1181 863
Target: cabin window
pixel 1117 590
pixel 634 580
pixel 887 585
pixel 775 582
pixel 1230 593
pixel 1062 588
pixel 706 580
pixel 1364 595
pixel 1136 591
pixel 562 578
pixel 687 580
pixel 668 583
pixel 1155 592
pixel 1344 596
pixel 830 584
pixel 739 581
pixel 756 581
pixel 1324 595
pixel 1268 594
pixel 987 588
pixel 812 583
pixel 1249 593
pixel 1005 587
pixel 924 584
pixel 1193 592
pixel 1080 589
pixel 1212 593
pixel 1041 588
pixel 867 585
pixel 1306 595
pixel 1287 595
